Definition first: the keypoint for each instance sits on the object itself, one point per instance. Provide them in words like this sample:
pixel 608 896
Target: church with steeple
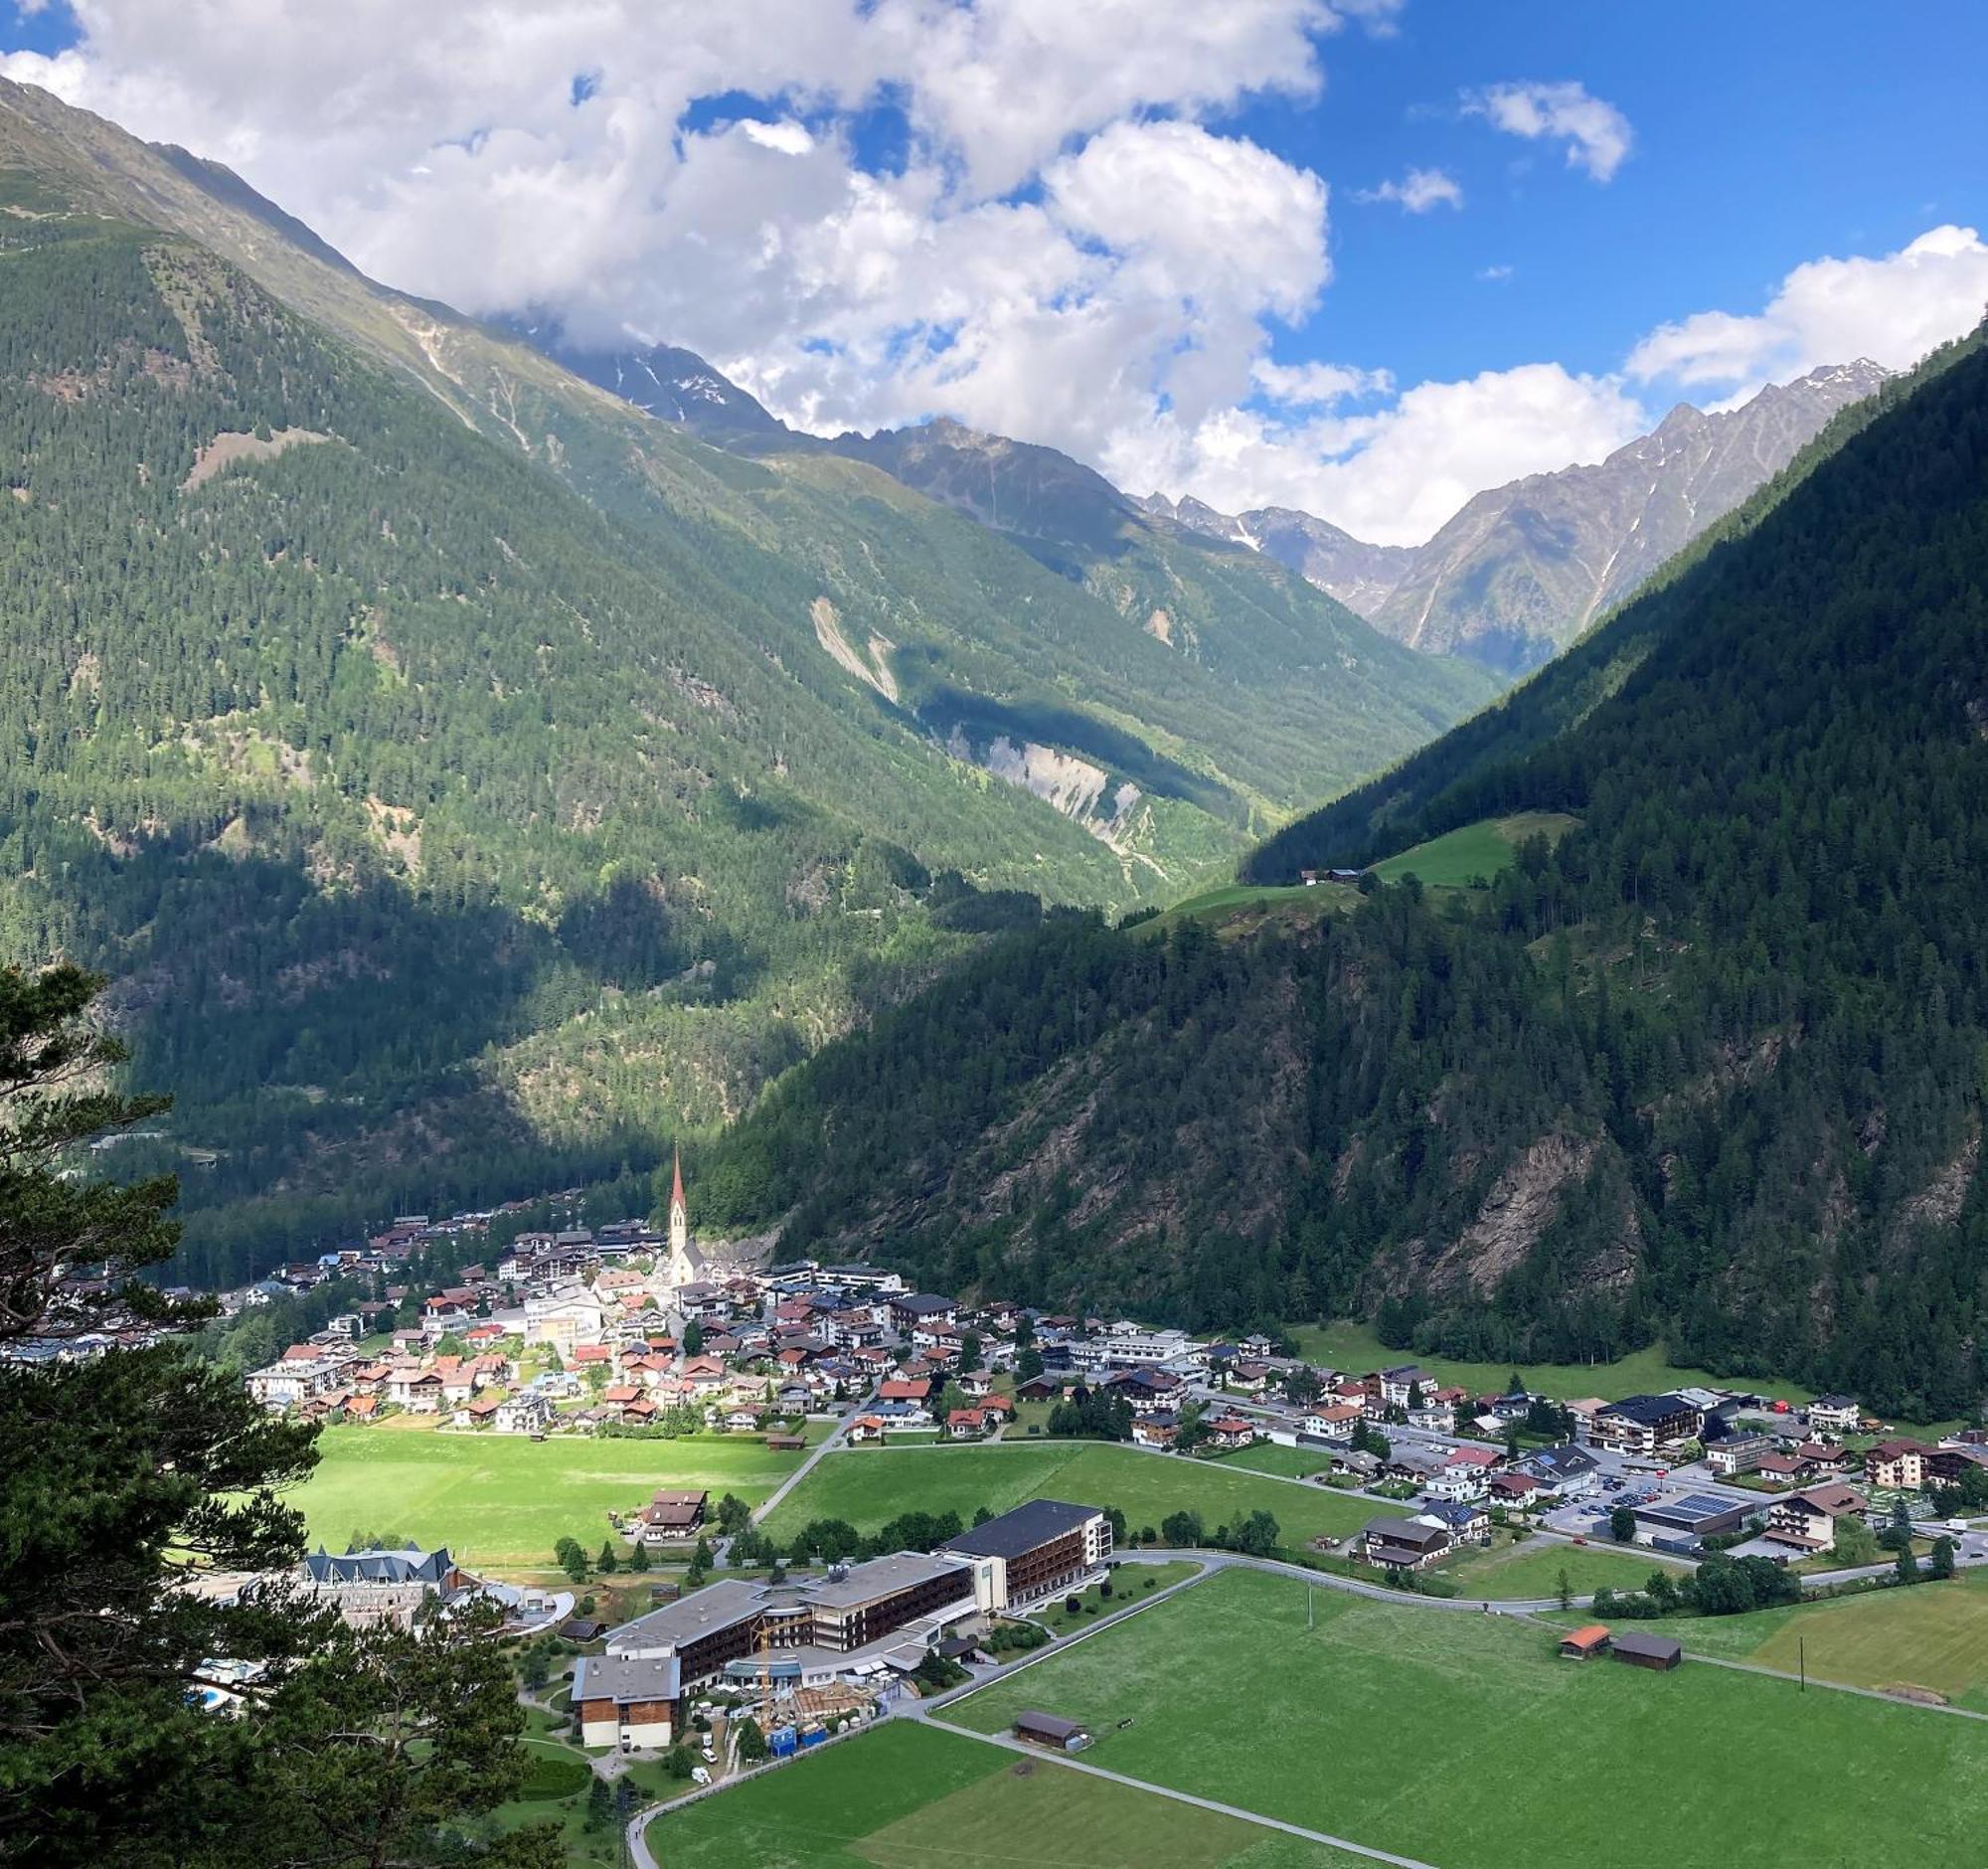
pixel 686 1262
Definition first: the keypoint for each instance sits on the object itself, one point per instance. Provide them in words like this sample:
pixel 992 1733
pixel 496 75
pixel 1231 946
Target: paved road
pixel 826 1445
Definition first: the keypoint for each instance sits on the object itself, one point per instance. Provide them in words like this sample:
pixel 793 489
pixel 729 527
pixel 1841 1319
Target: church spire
pixel 679 1265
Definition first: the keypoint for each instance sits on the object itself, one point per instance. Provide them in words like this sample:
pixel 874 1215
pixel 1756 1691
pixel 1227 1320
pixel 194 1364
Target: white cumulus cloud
pixel 1418 191
pixel 1596 136
pixel 1892 309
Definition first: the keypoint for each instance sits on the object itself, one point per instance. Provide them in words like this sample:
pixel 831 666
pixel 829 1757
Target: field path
pixel 828 1444
pixel 1187 1797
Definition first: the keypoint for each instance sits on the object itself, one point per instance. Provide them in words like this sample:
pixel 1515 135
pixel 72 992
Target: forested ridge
pixel 462 779
pixel 1708 1070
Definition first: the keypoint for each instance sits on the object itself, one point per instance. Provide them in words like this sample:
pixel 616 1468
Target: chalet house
pixel 1567 1471
pixel 1898 1464
pixel 481 1413
pixel 591 1356
pixel 1230 1431
pixel 1641 1424
pixel 282 1385
pixel 1513 1489
pixel 1149 1391
pixel 1458 1483
pixel 1335 1423
pixel 1738 1453
pixel 1398 1383
pixel 1249 1378
pixel 909 1310
pixel 1465 1520
pixel 866 1428
pixel 915 1390
pixel 997 1408
pixel 1807 1520
pixel 1835 1414
pixel 1783 1470
pixel 418 1391
pixel 670 1515
pixel 1400 1544
pixel 1417 1465
pixel 965 1423
pixel 939 1343
pixel 703 1375
pixel 1950 1459
pixel 1039 1389
pixel 856 1327
pixel 450 1306
pixel 528 1414
pixel 1158 1430
pixel 976 1383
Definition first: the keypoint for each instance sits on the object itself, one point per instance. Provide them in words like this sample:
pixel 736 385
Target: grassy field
pixel 912 1797
pixel 1373 1725
pixel 1507 1572
pixel 1933 1638
pixel 1482 849
pixel 1131 1583
pixel 1247 905
pixel 1354 1346
pixel 584 1845
pixel 1266 1457
pixel 507 1499
pixel 871 1486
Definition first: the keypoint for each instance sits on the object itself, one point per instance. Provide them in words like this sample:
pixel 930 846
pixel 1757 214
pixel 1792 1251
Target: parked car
pixel 699 1775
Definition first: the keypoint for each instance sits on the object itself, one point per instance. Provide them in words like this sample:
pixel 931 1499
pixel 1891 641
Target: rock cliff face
pixel 1524 569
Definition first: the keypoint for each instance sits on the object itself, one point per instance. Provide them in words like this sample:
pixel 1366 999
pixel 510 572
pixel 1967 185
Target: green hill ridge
pixel 1704 1069
pixel 469 780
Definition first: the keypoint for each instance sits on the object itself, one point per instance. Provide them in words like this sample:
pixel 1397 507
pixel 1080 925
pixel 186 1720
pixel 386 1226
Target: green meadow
pixel 1454 859
pixel 870 1486
pixel 1348 1345
pixel 506 1499
pixel 1931 1640
pixel 912 1797
pixel 1407 1728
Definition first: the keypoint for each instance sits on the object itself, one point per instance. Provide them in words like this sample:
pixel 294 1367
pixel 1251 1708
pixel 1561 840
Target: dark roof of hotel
pixel 1021 1530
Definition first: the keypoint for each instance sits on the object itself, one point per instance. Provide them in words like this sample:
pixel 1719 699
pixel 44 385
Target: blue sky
pixel 1131 229
pixel 1767 134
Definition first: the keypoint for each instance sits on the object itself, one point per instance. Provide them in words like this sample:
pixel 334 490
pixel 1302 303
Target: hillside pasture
pixel 1457 858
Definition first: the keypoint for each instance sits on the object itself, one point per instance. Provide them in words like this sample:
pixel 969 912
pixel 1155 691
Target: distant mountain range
pixel 470 777
pixel 1659 1020
pixel 1515 577
pixel 1525 568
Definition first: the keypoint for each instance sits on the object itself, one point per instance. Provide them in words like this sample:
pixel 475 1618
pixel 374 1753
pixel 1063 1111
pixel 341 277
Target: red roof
pixel 677 1179
pixel 591 1353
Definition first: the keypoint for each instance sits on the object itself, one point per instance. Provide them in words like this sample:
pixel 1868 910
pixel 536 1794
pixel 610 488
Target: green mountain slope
pixel 468 779
pixel 1707 1070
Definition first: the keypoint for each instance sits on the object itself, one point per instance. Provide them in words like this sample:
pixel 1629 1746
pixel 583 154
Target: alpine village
pixel 1106 1052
